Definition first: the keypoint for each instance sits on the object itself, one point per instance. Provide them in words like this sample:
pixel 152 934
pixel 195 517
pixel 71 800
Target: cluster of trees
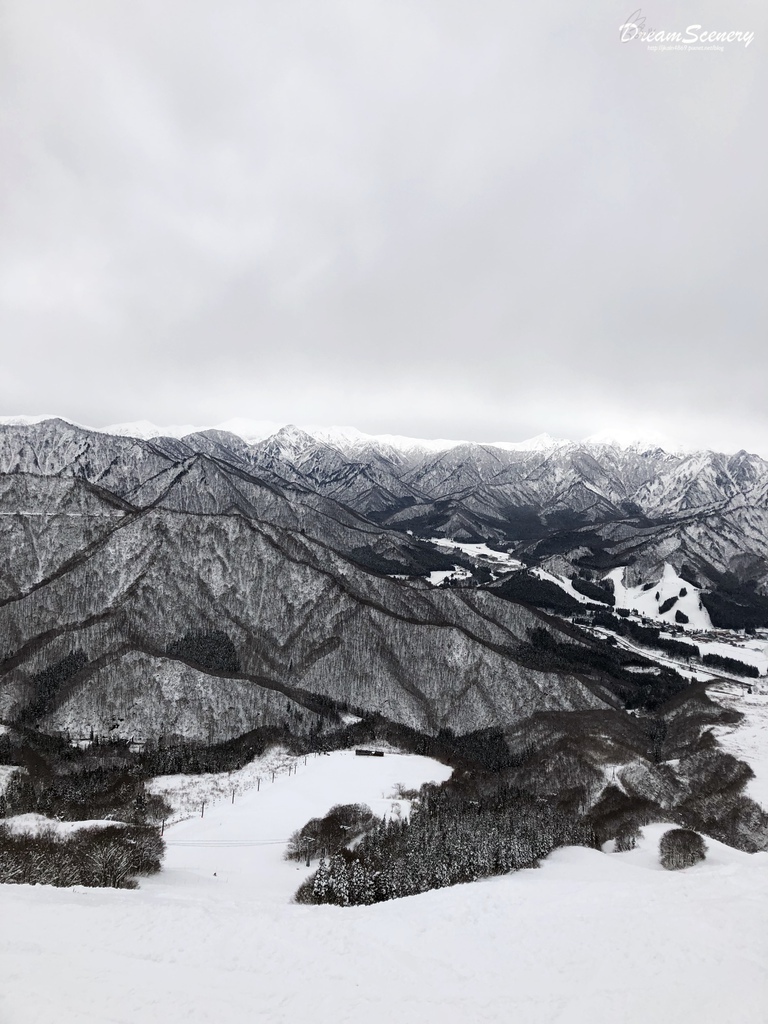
pixel 212 651
pixel 610 666
pixel 61 781
pixel 103 857
pixel 681 848
pixel 48 683
pixel 526 587
pixel 736 604
pixel 449 838
pixel 646 636
pixel 731 665
pixel 596 591
pixel 324 837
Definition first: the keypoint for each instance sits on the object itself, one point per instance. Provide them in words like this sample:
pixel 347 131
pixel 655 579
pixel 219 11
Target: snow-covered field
pixel 499 562
pixel 478 551
pixel 599 938
pixel 188 795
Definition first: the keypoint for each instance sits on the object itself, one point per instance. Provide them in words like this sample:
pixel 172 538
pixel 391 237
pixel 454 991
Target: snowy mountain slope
pixel 549 477
pixel 119 546
pixel 302 621
pixel 704 509
pixel 213 937
pixel 670 590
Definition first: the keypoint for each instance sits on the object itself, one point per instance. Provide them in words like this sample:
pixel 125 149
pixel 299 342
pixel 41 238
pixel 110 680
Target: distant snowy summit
pixel 351 439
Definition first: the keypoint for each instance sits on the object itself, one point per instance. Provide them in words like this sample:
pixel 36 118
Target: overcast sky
pixel 476 219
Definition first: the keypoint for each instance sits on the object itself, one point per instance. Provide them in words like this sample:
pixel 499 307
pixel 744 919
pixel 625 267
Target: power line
pixel 226 842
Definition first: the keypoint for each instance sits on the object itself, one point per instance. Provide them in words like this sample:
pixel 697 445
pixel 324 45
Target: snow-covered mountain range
pixel 274 556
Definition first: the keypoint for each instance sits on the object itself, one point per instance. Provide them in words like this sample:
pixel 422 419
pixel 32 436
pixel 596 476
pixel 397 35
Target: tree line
pixel 450 837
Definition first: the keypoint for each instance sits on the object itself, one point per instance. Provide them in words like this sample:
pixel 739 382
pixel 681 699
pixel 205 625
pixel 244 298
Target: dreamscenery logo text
pixel 694 37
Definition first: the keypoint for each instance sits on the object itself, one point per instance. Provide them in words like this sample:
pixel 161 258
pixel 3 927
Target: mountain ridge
pixel 349 438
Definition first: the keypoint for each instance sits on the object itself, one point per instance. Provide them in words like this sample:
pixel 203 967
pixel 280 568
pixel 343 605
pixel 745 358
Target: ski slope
pixel 647 602
pixel 598 938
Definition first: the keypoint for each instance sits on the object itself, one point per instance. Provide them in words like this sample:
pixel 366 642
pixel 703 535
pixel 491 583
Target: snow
pixel 187 793
pixel 563 583
pixel 748 740
pixel 649 440
pixel 591 937
pixel 35 824
pixel 145 430
pixel 28 421
pixel 478 552
pixel 539 443
pixel 7 771
pixel 751 652
pixel 349 719
pixel 437 576
pixel 351 437
pixel 670 585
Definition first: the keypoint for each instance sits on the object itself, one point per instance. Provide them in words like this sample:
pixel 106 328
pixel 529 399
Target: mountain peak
pixel 539 443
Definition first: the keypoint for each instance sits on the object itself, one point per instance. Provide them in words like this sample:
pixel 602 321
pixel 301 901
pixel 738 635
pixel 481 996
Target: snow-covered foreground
pixel 591 937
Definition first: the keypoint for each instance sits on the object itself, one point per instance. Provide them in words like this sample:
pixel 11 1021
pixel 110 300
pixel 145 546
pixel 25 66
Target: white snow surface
pixel 36 824
pixel 187 793
pixel 670 585
pixel 437 576
pixel 747 740
pixel 344 437
pixel 598 938
pixel 563 583
pixel 479 552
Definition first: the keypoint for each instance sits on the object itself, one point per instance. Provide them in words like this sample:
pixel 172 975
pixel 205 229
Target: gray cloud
pixel 439 218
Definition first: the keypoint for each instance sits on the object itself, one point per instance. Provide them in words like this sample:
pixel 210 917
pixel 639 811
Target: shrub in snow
pixel 626 840
pixel 617 813
pixel 323 837
pixel 681 848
